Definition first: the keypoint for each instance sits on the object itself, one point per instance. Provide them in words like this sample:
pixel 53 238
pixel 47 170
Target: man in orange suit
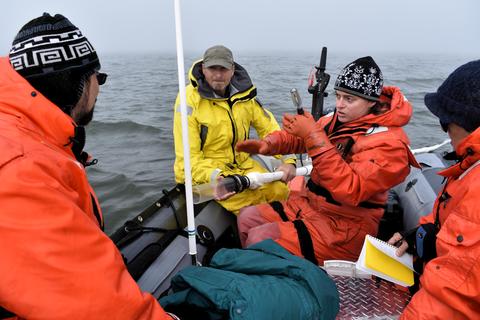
pixel 55 260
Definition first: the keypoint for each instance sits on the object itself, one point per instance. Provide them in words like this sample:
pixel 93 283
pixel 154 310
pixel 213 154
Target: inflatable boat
pixel 154 243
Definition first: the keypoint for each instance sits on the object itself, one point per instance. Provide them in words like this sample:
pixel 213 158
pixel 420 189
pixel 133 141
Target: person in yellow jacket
pixel 222 107
pixel 55 260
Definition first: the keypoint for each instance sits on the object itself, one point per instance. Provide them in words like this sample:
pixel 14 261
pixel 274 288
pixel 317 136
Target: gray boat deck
pixel 369 298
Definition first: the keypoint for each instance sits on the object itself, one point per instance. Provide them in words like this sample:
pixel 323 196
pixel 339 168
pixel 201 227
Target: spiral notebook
pixel 378 258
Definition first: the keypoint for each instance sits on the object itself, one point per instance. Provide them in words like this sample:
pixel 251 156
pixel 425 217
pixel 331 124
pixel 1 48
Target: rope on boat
pixel 430 148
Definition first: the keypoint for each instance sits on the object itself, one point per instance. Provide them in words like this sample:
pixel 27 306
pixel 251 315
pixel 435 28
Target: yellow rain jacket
pixel 215 125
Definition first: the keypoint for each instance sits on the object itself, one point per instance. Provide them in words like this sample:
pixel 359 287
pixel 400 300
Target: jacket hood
pixel 399 114
pixel 240 82
pixel 34 112
pixel 469 153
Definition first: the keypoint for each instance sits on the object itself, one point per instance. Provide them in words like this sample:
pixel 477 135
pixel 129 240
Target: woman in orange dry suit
pixel 55 260
pixel 359 152
pixel 448 240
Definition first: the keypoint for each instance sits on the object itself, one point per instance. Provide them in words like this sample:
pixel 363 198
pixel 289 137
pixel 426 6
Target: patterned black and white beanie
pixel 362 78
pixel 55 57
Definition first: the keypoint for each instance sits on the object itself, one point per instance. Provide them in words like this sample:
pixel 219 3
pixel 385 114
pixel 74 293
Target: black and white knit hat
pixel 362 78
pixel 55 57
pixel 51 44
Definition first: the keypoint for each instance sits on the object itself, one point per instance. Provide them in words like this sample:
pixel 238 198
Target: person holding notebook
pixel 448 239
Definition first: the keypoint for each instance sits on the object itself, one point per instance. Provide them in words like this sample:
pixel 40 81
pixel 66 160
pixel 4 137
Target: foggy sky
pixel 406 26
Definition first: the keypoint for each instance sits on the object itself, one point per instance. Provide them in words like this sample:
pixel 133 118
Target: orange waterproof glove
pixel 298 125
pixel 253 146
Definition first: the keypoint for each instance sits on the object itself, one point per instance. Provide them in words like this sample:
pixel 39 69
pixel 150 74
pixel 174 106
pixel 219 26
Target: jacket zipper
pixel 230 114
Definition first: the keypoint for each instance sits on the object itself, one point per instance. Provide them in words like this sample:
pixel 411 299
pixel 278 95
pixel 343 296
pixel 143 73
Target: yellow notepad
pixel 378 258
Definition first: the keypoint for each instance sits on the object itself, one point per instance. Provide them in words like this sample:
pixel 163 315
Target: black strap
pixel 4 313
pixel 337 129
pixel 134 227
pixel 321 191
pixel 347 131
pixel 131 230
pixel 78 141
pixel 96 212
pixel 203 135
pixel 444 196
pixel 348 147
pixel 371 205
pixel 278 207
pixel 306 244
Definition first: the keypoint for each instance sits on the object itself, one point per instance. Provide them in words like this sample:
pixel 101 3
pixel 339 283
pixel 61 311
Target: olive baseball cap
pixel 218 56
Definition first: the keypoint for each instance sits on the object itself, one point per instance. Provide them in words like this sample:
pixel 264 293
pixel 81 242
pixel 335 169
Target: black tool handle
pixel 318 90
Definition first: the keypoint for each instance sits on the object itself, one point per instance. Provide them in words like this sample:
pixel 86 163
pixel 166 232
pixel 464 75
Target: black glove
pixel 422 241
pixel 409 237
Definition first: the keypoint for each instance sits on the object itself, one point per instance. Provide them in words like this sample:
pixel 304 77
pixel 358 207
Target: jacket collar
pixel 398 115
pixel 468 152
pixel 33 111
pixel 240 85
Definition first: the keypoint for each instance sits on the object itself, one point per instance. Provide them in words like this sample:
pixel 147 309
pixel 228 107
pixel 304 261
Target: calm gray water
pixel 131 134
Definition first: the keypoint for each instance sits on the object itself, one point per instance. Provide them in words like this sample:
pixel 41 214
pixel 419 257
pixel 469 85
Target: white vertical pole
pixel 192 245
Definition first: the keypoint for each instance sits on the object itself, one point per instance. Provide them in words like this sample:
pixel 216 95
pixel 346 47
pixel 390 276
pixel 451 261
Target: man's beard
pixel 85 118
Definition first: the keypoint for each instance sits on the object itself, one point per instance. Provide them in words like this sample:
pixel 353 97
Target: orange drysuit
pixel 55 261
pixel 450 284
pixel 354 166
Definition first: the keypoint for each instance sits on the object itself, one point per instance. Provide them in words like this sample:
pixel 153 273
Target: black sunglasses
pixel 101 78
